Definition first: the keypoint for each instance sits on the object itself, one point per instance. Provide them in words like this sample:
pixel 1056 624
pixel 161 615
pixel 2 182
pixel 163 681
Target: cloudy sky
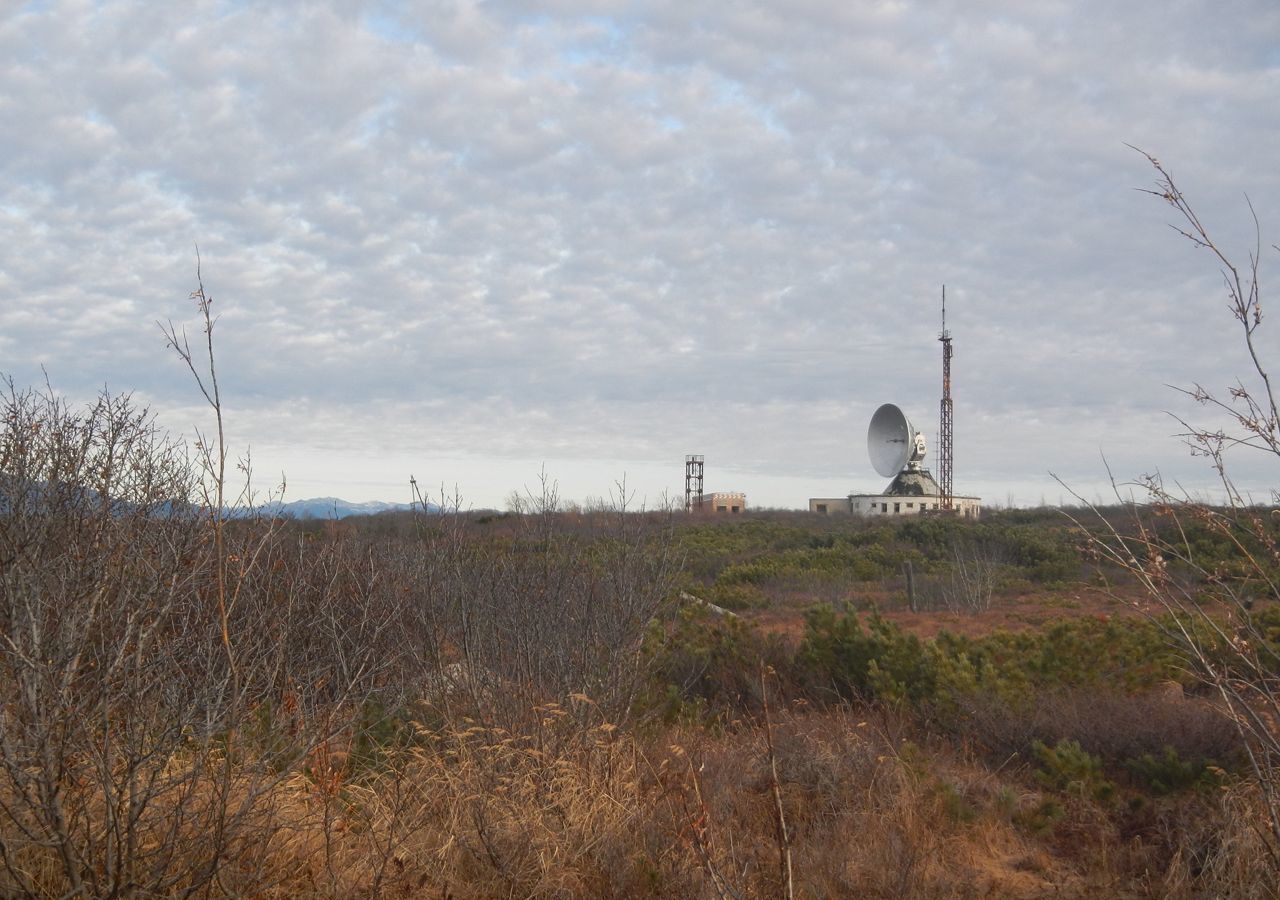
pixel 464 240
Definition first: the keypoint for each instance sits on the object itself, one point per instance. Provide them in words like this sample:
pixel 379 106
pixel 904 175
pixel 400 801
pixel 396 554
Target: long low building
pixel 913 492
pixel 892 505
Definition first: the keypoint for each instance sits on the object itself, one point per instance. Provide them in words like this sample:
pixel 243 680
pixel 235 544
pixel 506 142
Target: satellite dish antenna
pixel 892 443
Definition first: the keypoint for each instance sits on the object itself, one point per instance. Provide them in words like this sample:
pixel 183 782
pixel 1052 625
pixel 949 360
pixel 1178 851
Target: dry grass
pixel 873 810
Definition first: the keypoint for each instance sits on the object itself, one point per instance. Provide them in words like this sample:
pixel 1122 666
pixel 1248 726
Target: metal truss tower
pixel 693 464
pixel 945 448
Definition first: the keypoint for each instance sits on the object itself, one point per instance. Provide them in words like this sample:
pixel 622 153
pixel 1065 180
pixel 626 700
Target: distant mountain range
pixel 332 508
pixel 42 496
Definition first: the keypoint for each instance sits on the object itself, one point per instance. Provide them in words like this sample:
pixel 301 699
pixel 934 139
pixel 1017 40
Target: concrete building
pixel 892 505
pixel 911 493
pixel 722 502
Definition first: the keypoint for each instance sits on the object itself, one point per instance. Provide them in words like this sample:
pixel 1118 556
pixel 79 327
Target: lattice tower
pixel 945 448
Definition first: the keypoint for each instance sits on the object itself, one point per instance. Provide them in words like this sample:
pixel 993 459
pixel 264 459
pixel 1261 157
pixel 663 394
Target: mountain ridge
pixel 332 508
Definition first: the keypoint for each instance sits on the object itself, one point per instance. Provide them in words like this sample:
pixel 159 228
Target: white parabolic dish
pixel 890 440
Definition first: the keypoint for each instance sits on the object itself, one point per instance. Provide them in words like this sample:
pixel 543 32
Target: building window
pixel 720 509
pixel 911 506
pixel 736 509
pixel 822 508
pixel 884 507
pixel 895 507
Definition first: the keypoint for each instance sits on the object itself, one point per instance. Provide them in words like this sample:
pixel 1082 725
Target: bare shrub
pixel 1209 597
pixel 162 666
pixel 560 608
pixel 1117 726
pixel 99 557
pixel 967 581
pixel 973 576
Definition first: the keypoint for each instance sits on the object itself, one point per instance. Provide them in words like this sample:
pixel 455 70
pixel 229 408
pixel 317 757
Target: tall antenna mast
pixel 944 430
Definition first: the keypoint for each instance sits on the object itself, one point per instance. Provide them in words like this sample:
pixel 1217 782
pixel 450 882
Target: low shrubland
pixel 197 699
pixel 532 704
pixel 788 562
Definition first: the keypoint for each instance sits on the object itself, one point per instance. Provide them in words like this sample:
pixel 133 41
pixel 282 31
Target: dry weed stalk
pixel 1211 606
pixel 784 837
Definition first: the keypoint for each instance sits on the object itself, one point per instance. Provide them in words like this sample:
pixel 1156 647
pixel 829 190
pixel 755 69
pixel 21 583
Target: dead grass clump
pixel 481 812
pixel 868 815
pixel 1233 855
pixel 873 806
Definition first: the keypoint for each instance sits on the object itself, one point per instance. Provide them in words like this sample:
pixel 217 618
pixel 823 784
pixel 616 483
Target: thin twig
pixel 780 821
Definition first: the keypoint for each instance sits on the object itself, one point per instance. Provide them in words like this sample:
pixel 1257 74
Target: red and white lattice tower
pixel 945 417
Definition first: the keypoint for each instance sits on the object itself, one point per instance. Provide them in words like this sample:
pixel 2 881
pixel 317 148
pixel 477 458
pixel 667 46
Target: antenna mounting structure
pixel 693 466
pixel 945 446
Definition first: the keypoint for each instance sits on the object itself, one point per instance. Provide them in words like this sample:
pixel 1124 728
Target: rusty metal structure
pixel 693 469
pixel 945 447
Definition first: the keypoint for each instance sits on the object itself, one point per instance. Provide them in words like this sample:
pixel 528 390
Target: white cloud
pixel 619 232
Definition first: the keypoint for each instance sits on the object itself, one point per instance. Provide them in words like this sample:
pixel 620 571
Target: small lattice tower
pixel 693 465
pixel 945 416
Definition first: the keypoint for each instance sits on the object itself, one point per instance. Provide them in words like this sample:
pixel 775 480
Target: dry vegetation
pixel 463 705
pixel 537 703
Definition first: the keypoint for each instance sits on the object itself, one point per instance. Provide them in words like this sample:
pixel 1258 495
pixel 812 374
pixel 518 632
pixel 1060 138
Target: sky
pixel 472 242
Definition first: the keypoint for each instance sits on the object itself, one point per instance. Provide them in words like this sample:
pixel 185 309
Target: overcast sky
pixel 464 240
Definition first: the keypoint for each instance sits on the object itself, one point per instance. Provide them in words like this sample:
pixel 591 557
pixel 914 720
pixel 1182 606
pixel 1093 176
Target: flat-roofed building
pixel 893 505
pixel 911 493
pixel 722 502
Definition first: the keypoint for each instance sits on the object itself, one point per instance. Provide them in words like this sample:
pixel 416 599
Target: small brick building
pixel 718 502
